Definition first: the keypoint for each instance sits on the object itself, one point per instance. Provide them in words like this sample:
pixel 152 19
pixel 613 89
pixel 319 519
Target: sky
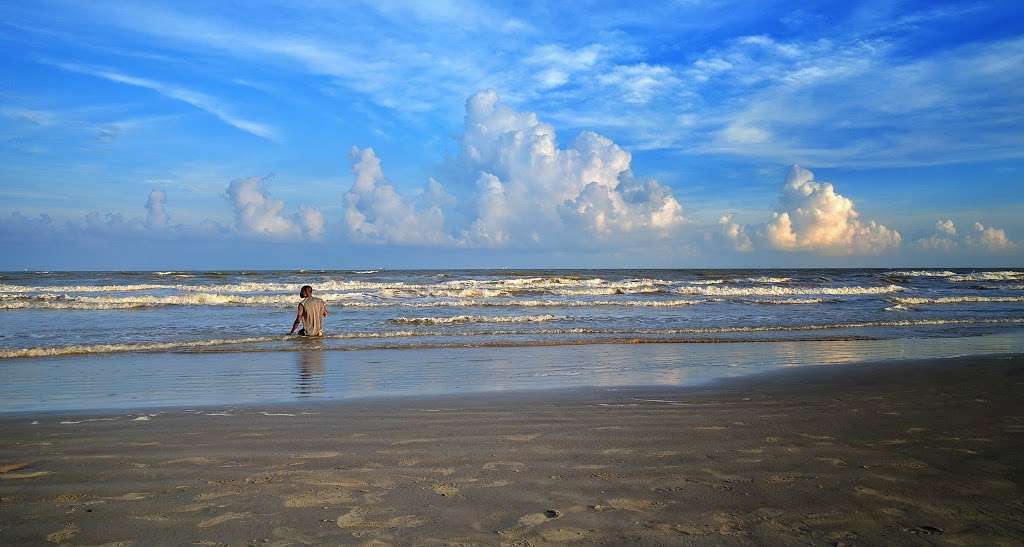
pixel 691 133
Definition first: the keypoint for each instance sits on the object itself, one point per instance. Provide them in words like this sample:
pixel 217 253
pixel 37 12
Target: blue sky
pixel 450 134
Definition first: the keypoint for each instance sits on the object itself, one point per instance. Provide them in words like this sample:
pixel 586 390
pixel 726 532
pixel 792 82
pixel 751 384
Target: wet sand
pixel 922 452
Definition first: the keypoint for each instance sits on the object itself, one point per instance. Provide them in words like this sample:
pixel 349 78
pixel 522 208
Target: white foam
pixel 460 319
pixel 923 273
pixel 768 279
pixel 785 291
pixel 80 288
pixel 1006 275
pixel 789 301
pixel 966 299
pixel 197 344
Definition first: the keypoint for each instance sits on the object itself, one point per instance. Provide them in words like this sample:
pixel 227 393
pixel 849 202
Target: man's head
pixel 306 291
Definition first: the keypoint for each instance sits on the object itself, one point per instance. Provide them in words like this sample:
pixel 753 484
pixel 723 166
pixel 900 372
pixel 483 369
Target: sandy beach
pixel 916 452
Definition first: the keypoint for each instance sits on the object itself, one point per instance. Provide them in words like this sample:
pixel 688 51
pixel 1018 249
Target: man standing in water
pixel 310 313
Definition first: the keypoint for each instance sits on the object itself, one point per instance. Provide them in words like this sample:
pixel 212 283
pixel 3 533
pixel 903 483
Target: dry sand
pixel 925 453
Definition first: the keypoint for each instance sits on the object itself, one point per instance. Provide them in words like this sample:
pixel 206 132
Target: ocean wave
pixel 922 273
pixel 785 291
pixel 706 282
pixel 215 344
pixel 7 288
pixel 1006 275
pixel 344 300
pixel 461 319
pixel 464 288
pixel 965 299
pixel 786 301
pixel 769 279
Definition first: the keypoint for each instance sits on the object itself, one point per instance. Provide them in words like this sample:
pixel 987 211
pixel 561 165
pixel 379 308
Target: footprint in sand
pixel 362 519
pixel 529 521
pixel 64 535
pixel 446 489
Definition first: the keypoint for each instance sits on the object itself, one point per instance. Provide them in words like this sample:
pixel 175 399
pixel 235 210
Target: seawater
pixel 62 313
pixel 141 336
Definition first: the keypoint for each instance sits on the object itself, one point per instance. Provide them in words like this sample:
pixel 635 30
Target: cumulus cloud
pixel 526 190
pixel 156 209
pixel 735 234
pixel 376 213
pixel 259 215
pixel 812 216
pixel 947 238
pixel 155 225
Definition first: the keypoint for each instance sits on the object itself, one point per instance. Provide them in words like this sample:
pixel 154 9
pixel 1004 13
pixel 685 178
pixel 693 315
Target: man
pixel 310 313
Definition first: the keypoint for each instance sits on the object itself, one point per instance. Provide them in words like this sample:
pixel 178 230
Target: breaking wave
pixel 1007 275
pixel 968 299
pixel 784 291
pixel 213 344
pixel 768 279
pixel 460 319
pixel 923 273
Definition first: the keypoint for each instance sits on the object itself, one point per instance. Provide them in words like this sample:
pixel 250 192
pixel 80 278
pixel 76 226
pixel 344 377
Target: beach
pixel 916 452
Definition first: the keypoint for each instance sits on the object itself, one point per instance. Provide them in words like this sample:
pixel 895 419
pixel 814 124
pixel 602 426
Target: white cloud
pixel 376 213
pixel 812 216
pixel 156 209
pixel 818 99
pixel 199 100
pixel 312 222
pixel 543 190
pixel 527 191
pixel 258 215
pixel 557 64
pixel 946 227
pixel 735 234
pixel 737 133
pixel 947 238
pixel 640 83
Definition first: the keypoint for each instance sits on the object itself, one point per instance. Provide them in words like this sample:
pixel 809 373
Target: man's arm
pixel 325 309
pixel 298 319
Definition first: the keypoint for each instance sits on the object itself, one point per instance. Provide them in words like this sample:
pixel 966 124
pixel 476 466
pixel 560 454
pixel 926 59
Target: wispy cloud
pixel 197 99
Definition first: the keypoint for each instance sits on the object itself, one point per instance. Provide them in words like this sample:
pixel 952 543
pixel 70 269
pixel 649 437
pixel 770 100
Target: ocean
pixel 97 324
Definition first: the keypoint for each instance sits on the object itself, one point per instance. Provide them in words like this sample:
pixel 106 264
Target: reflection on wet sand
pixel 311 373
pixel 315 372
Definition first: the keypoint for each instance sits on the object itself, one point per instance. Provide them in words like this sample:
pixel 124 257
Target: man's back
pixel 313 315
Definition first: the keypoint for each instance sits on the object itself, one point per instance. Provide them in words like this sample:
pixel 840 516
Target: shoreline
pixel 131 382
pixel 787 375
pixel 912 451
